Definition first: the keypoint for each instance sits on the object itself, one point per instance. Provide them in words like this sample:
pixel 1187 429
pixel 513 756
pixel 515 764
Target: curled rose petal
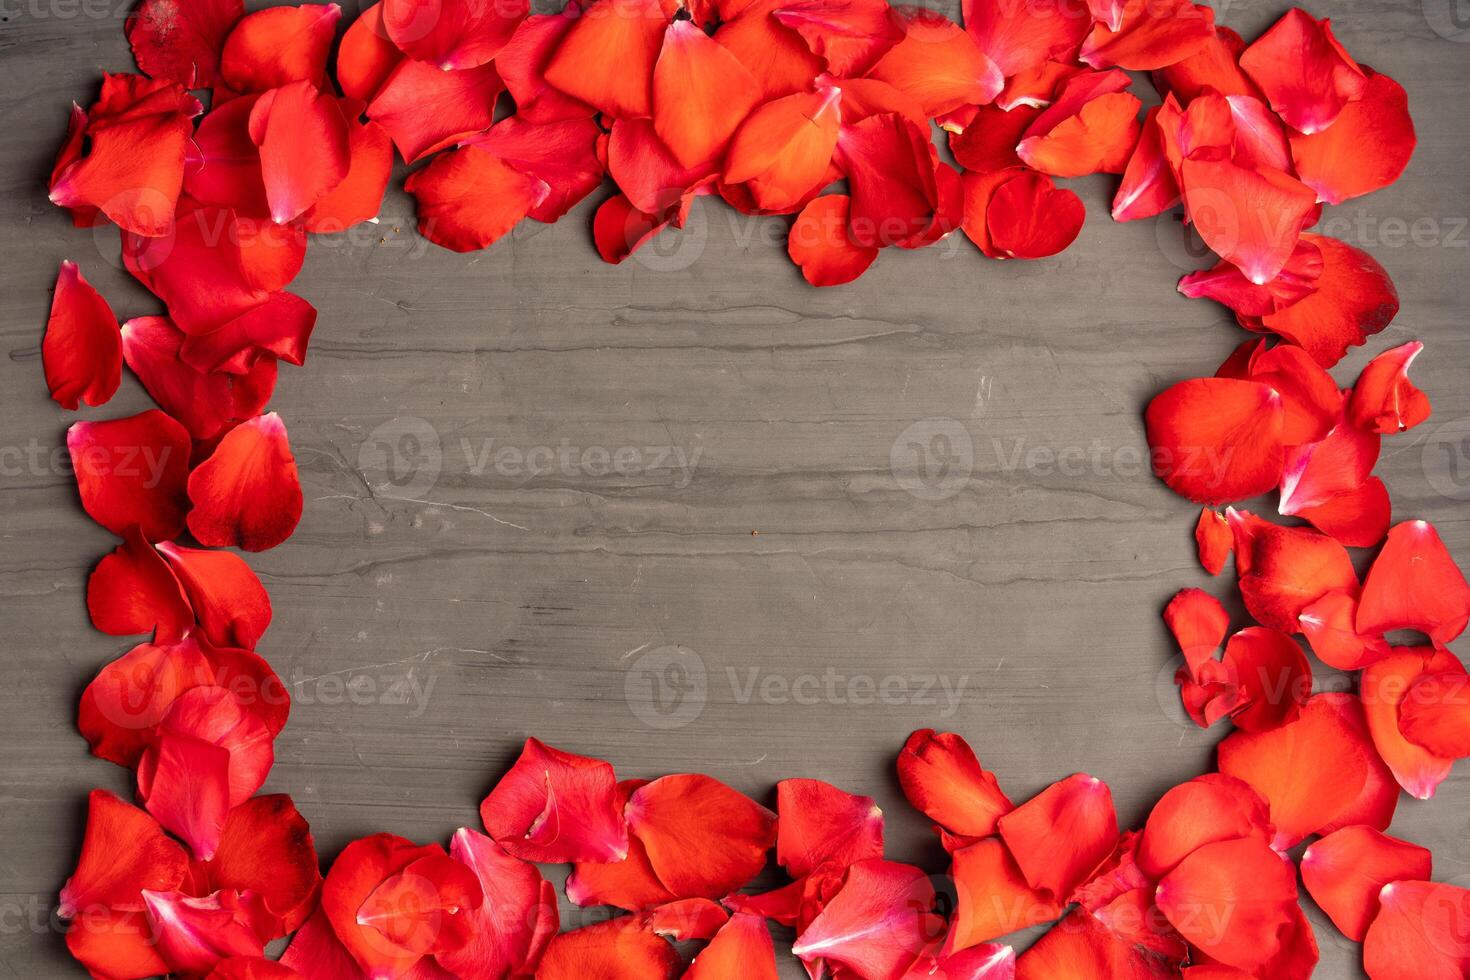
pixel 1217 439
pixel 553 806
pixel 942 778
pixel 820 244
pixel 1339 463
pixel 1228 285
pixel 1345 871
pixel 1415 584
pixel 1419 933
pixel 279 45
pixel 266 849
pixel 452 36
pixel 1214 540
pixel 82 352
pixel 304 148
pixel 204 403
pixel 131 472
pixel 247 493
pixel 1385 687
pixel 1384 400
pixel 1306 75
pixel 1199 624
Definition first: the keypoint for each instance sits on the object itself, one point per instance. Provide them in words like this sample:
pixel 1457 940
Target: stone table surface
pixel 688 514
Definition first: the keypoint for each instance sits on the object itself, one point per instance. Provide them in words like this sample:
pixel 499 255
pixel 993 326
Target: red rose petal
pixel 1228 285
pixel 1436 714
pixel 1358 518
pixel 1339 463
pixel 425 110
pixel 247 493
pixel 204 403
pixel 1310 398
pixel 81 352
pixel 776 55
pixel 819 242
pixel 703 839
pixel 1149 186
pixel 742 948
pixel 251 968
pixel 515 920
pixel 182 43
pixel 939 64
pixel 1100 137
pixel 266 849
pixel 783 149
pixel 619 229
pixel 1310 770
pixel 1345 871
pixel 1217 439
pixel 1419 933
pixel 876 925
pixel 1273 675
pixel 194 934
pixel 124 851
pixel 1208 809
pixel 820 823
pixel 1199 624
pixel 687 918
pixel 281 326
pixel 1081 948
pixel 993 898
pixel 304 147
pixel 1150 35
pixel 425 908
pixel 1253 218
pixel 358 871
pixel 989 142
pixel 1385 686
pixel 1215 66
pixel 1020 37
pixel 1306 75
pixel 1415 584
pixel 131 472
pixel 1379 797
pixel 131 695
pixel 1384 400
pixel 562 155
pixel 943 780
pixel 359 196
pixel 222 717
pixel 185 783
pixel 852 35
pixel 232 607
pixel 553 806
pixel 452 36
pixel 618 949
pixel 280 45
pixel 1290 569
pixel 1328 623
pixel 607 57
pixel 366 56
pixel 1365 150
pixel 1060 836
pixel 132 591
pixel 1029 218
pixel 891 172
pixel 522 66
pixel 701 93
pixel 1231 899
pixel 468 198
pixel 1214 540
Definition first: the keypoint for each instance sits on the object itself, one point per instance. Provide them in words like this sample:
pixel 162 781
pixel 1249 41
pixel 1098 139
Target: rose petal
pixel 1251 217
pixel 425 110
pixel 516 918
pixel 124 851
pixel 266 849
pixel 1199 624
pixel 362 866
pixel 1029 218
pixel 468 198
pixel 741 948
pixel 366 56
pixel 1231 899
pixel 1384 400
pixel 1018 37
pixel 943 780
pixel 607 58
pixel 1208 809
pixel 1419 933
pixel 182 43
pixel 132 591
pixel 1290 569
pixel 1345 871
pixel 131 472
pixel 993 898
pixel 1385 686
pixel 703 839
pixel 304 147
pixel 185 783
pixel 820 823
pixel 452 36
pixel 522 66
pixel 1415 584
pixel 81 352
pixel 701 93
pixel 247 493
pixel 876 925
pixel 279 45
pixel 852 35
pixel 204 403
pixel 939 64
pixel 820 244
pixel 1214 540
pixel 194 934
pixel 1150 35
pixel 1328 623
pixel 1217 439
pixel 1306 75
pixel 783 149
pixel 553 806
pixel 1060 836
pixel 1366 149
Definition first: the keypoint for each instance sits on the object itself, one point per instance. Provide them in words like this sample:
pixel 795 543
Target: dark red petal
pixel 1345 871
pixel 1385 686
pixel 452 36
pixel 425 110
pixel 1365 150
pixel 891 172
pixel 1253 218
pixel 204 403
pixel 132 591
pixel 553 806
pixel 247 493
pixel 742 948
pixel 1419 933
pixel 362 866
pixel 1328 624
pixel 1355 299
pixel 1415 584
pixel 701 93
pixel 1291 568
pixel 519 908
pixel 606 59
pixel 1150 35
pixel 1018 37
pixel 820 243
pixel 81 353
pixel 820 823
pixel 1029 218
pixel 304 148
pixel 939 64
pixel 993 898
pixel 1310 770
pixel 266 849
pixel 1306 75
pixel 1384 400
pixel 1217 439
pixel 618 949
pixel 468 198
pixel 231 605
pixel 704 840
pixel 123 852
pixel 619 228
pixel 876 925
pixel 280 45
pixel 1231 899
pixel 182 43
pixel 989 142
pixel 131 472
pixel 1214 540
pixel 1060 836
pixel 943 780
